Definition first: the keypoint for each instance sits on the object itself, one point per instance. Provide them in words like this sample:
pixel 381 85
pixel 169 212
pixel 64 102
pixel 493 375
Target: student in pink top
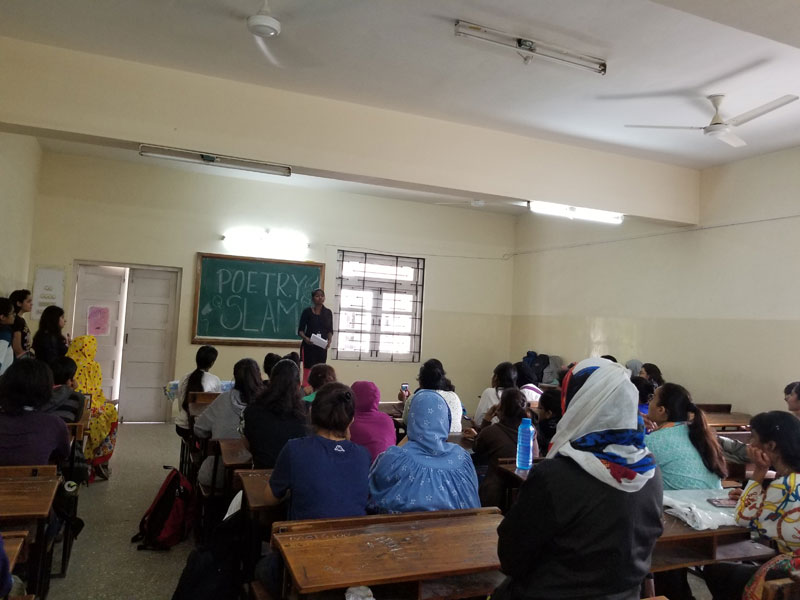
pixel 371 428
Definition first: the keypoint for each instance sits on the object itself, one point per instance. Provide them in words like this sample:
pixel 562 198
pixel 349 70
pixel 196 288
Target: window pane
pixel 360 321
pixel 376 271
pixel 397 344
pixel 356 299
pixel 397 302
pixel 396 323
pixel 353 342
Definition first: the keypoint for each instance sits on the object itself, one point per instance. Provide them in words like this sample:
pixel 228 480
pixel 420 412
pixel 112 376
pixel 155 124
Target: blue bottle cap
pixel 526 422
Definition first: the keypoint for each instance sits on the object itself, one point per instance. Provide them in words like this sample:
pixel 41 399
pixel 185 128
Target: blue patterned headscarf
pixel 428 472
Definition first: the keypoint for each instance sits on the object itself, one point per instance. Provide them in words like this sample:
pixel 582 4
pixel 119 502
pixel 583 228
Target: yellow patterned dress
pixel 103 418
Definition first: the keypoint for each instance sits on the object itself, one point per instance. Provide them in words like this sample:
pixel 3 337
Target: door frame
pixel 173 334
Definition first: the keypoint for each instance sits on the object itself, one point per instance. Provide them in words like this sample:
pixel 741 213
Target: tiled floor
pixel 105 565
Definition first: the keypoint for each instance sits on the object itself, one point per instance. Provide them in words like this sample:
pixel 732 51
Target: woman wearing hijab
pixel 371 428
pixel 103 419
pixel 594 506
pixel 427 473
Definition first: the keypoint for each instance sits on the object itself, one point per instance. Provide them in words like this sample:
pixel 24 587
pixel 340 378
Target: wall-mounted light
pixel 214 160
pixel 576 212
pixel 270 243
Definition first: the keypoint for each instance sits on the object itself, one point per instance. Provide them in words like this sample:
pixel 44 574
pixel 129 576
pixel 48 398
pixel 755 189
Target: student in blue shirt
pixel 326 473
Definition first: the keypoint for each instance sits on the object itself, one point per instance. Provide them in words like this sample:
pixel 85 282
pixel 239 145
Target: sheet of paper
pixel 318 340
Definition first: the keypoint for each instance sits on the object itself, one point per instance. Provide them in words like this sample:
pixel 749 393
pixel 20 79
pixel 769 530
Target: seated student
pixel 7 317
pixel 221 420
pixel 499 440
pixel 652 373
pixel 646 390
pixel 319 375
pixel 199 380
pixel 27 435
pixel 371 428
pixel 427 473
pixel 526 382
pixel 549 416
pixel 270 360
pixel 433 377
pixel 6 581
pixel 684 446
pixel 769 510
pixel 277 415
pixel 593 508
pixel 49 343
pixel 503 376
pixel 325 472
pixel 65 401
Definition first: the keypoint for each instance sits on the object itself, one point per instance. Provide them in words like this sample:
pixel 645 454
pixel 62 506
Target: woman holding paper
pixel 317 322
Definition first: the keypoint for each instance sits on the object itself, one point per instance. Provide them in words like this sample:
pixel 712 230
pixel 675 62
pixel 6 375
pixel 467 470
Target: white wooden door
pixel 148 352
pixel 101 290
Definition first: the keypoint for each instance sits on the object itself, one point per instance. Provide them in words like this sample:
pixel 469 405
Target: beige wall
pixel 716 308
pixel 19 170
pixel 123 212
pixel 53 88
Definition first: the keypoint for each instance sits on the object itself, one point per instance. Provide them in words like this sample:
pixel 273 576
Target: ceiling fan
pixel 720 128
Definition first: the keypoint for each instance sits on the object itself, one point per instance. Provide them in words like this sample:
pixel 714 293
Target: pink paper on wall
pixel 97 321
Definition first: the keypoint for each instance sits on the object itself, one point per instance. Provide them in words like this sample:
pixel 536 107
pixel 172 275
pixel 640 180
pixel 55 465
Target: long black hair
pixel 433 377
pixel 782 428
pixel 513 407
pixel 283 396
pixel 49 327
pixel 505 376
pixel 17 297
pixel 204 359
pixel 27 382
pixel 677 401
pixel 653 373
pixel 247 379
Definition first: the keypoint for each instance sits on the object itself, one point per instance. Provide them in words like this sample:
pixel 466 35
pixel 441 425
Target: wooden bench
pixel 715 408
pixel 21 472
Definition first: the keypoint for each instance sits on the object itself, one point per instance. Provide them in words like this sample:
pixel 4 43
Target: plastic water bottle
pixel 525 437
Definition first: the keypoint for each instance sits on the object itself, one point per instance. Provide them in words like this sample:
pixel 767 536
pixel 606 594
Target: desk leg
pixel 36 570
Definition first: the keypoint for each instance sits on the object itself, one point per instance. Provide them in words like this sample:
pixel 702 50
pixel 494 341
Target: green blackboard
pixel 248 301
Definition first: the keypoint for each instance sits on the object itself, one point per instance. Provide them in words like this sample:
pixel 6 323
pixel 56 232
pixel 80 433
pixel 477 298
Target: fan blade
pixel 761 110
pixel 662 127
pixel 731 139
pixel 268 54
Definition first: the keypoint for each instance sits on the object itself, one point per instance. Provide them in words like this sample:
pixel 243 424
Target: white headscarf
pixel 605 409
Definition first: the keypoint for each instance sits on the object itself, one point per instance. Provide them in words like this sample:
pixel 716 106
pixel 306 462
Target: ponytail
pixel 678 403
pixel 204 359
pixel 193 384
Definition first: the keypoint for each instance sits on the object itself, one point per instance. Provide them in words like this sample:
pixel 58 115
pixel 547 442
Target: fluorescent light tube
pixel 576 212
pixel 529 49
pixel 214 160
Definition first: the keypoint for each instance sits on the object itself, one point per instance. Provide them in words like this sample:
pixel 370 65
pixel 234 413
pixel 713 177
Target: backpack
pixel 539 365
pixel 169 519
pixel 213 572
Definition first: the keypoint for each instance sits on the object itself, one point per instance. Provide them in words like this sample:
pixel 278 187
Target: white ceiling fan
pixel 720 128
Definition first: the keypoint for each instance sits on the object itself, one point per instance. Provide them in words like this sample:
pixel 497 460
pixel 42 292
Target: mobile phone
pixel 404 387
pixel 723 502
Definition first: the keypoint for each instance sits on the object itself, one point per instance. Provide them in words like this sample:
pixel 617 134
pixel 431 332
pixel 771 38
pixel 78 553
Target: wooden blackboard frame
pixel 243 341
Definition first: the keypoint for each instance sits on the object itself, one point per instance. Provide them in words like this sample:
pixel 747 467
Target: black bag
pixel 539 365
pixel 214 572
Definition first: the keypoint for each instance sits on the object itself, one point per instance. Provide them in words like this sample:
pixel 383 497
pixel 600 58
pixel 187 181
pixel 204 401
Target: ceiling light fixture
pixel 214 160
pixel 576 212
pixel 529 49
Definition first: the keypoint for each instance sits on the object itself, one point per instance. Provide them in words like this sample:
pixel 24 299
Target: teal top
pixel 681 465
pixel 310 397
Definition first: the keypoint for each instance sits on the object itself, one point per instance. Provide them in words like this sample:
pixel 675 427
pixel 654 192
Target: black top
pixel 569 535
pixel 48 347
pixel 267 433
pixel 21 326
pixel 322 325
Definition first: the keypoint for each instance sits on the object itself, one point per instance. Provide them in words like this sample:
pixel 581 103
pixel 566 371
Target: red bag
pixel 169 519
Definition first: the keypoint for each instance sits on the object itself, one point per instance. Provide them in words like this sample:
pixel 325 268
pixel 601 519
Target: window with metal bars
pixel 378 307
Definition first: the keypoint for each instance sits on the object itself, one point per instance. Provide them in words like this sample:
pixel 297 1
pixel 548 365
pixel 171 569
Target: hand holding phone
pixel 404 389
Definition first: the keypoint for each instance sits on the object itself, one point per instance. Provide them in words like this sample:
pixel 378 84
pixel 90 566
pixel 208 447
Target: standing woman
pixel 49 343
pixel 21 340
pixel 315 319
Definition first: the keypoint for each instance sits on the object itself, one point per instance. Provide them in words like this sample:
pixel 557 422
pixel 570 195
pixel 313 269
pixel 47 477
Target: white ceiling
pixel 402 54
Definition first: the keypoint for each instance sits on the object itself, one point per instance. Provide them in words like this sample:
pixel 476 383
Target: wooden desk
pixel 13 546
pixel 681 546
pixel 386 549
pixel 734 419
pixel 458 438
pixel 26 499
pixel 234 456
pixel 254 482
pixel 197 408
